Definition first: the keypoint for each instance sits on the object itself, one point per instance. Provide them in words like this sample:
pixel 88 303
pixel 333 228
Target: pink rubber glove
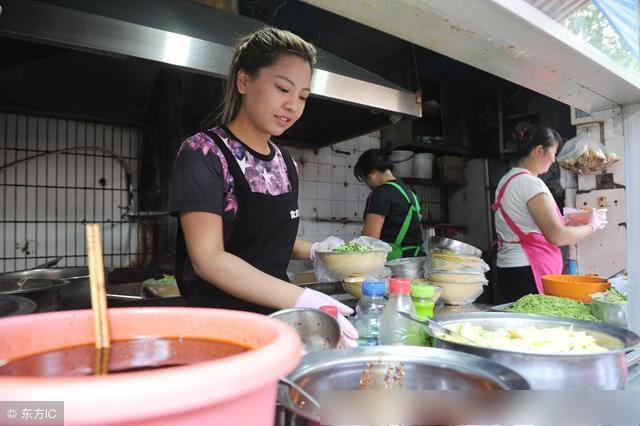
pixel 597 222
pixel 314 299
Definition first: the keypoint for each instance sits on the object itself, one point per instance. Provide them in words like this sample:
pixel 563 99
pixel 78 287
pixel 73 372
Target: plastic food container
pixel 445 262
pixel 583 216
pixel 459 293
pixel 456 277
pixel 238 389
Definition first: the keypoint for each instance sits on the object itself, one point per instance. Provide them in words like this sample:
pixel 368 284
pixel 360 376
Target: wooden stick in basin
pixel 98 298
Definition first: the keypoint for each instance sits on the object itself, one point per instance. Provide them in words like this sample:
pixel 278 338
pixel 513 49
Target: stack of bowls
pixel 457 268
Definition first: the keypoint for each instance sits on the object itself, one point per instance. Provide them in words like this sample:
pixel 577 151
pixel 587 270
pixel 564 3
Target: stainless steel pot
pixel 604 370
pixel 75 295
pixel 44 292
pixel 424 369
pixel 407 267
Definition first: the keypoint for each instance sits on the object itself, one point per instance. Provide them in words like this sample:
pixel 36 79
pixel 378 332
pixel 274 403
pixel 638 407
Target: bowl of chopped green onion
pixel 353 259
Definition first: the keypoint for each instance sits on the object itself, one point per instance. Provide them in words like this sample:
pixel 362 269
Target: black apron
pixel 262 233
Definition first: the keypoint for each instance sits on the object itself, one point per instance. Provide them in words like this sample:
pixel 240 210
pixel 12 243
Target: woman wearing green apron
pixel 392 213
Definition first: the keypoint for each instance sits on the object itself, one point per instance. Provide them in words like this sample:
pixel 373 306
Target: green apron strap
pixel 415 206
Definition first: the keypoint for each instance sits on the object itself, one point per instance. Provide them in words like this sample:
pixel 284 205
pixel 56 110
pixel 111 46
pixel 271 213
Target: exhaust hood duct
pixel 349 100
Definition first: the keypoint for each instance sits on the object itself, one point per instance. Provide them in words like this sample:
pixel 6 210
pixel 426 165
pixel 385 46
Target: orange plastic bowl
pixel 579 287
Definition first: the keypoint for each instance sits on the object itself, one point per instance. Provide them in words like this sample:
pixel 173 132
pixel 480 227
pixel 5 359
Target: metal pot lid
pixel 29 285
pixel 15 305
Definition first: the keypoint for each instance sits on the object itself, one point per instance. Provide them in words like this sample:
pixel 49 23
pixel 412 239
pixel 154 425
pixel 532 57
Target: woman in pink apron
pixel 529 224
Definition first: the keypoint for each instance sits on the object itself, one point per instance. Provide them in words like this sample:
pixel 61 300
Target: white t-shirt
pixel 520 190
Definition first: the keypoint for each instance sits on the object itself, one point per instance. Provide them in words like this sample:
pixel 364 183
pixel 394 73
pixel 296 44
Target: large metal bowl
pixel 317 329
pixel 453 246
pixel 604 370
pixel 611 313
pixel 75 295
pixel 407 267
pixel 424 369
pixel 44 292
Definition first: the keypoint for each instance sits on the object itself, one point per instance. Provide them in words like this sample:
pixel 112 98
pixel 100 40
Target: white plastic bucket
pixel 423 166
pixel 402 164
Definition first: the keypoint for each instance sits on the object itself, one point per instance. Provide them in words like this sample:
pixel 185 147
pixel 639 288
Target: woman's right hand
pixel 314 299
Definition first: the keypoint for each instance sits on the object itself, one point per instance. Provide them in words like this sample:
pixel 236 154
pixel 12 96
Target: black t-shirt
pixel 202 182
pixel 387 201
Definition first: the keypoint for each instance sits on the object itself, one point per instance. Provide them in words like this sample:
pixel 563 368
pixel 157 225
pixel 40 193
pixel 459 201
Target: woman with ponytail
pixel 529 225
pixel 235 192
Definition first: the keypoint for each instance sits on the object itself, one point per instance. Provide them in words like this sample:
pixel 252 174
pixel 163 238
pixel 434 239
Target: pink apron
pixel 544 257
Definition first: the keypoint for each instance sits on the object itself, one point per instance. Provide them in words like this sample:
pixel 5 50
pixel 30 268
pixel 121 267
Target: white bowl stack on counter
pixel 461 276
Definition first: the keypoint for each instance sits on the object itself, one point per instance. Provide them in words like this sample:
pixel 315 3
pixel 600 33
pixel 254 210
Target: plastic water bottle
pixel 394 328
pixel 369 313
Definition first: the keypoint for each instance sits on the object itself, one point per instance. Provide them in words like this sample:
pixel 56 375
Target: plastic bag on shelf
pixel 585 155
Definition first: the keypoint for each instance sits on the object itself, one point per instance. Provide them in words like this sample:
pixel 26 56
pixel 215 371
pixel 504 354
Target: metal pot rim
pixel 56 283
pixel 629 339
pixel 461 361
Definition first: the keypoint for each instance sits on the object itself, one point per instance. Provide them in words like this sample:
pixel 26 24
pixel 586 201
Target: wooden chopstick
pixel 98 298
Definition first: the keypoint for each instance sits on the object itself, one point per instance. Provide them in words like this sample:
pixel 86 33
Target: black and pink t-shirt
pixel 202 181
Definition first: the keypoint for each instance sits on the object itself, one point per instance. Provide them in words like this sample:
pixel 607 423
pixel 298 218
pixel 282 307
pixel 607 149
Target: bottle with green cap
pixel 423 300
pixel 424 303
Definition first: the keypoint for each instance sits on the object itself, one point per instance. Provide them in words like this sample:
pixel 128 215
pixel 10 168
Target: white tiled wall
pixel 45 201
pixel 328 190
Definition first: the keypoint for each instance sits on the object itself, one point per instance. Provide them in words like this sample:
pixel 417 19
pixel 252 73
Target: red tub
pixel 236 390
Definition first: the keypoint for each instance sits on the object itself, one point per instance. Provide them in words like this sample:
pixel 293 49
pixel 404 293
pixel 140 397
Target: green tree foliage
pixel 593 26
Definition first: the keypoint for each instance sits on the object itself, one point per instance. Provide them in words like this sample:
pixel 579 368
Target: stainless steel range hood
pixel 200 39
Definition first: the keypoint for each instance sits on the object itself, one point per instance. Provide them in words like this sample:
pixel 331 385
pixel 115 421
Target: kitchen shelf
pixel 433 182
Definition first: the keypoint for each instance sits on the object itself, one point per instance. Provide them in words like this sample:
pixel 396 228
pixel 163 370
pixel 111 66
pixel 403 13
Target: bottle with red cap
pixel 331 310
pixel 394 328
